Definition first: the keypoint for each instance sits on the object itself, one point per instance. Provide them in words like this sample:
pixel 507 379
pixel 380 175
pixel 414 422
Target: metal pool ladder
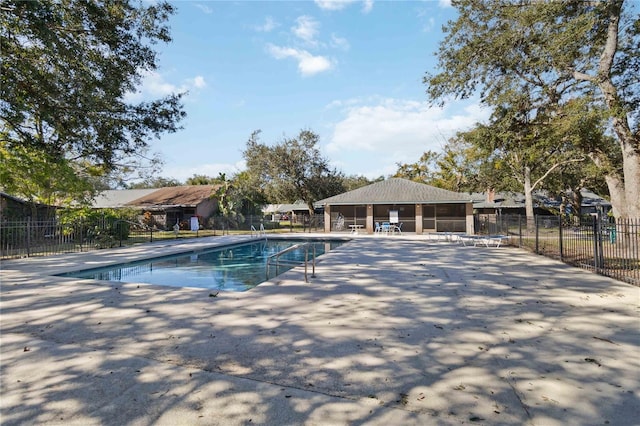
pixel 258 233
pixel 275 258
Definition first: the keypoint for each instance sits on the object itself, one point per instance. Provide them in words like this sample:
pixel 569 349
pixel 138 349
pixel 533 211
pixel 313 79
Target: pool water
pixel 230 268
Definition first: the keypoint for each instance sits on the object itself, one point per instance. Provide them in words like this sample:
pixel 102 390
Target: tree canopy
pixel 555 53
pixel 292 169
pixel 421 171
pixel 67 74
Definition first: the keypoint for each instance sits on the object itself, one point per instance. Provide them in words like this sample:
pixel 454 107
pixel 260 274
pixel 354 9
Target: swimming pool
pixel 231 268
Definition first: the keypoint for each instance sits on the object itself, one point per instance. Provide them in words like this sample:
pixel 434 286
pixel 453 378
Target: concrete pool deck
pixel 390 331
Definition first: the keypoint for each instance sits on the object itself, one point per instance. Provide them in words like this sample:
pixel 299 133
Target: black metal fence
pixel 27 238
pixel 298 223
pixel 598 243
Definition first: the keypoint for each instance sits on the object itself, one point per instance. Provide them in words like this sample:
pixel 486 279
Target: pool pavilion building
pixel 418 207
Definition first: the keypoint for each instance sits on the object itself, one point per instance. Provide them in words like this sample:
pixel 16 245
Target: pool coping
pixel 190 251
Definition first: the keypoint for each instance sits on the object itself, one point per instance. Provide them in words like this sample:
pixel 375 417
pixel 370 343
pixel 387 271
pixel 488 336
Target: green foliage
pixel 37 177
pixel 455 169
pixel 458 167
pixel 352 182
pixel 155 182
pixel 537 63
pixel 88 214
pixel 227 202
pixel 496 46
pixel 250 198
pixel 422 171
pixel 104 227
pixel 520 151
pixel 292 169
pixel 202 180
pixel 67 69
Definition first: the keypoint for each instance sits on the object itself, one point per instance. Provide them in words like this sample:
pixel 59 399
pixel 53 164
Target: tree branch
pixel 611 45
pixel 552 168
pixel 581 76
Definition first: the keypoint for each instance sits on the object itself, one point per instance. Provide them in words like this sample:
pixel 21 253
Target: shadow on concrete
pixel 393 331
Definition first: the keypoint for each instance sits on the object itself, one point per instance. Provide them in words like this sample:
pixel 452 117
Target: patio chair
pixel 398 228
pixel 378 228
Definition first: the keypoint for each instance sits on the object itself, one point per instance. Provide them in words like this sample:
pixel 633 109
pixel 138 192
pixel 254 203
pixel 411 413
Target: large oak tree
pixel 68 68
pixel 556 52
pixel 292 169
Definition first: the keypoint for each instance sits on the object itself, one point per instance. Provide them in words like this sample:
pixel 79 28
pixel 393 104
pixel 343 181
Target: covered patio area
pixel 412 206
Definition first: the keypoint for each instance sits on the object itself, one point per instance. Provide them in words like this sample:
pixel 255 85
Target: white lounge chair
pixel 486 240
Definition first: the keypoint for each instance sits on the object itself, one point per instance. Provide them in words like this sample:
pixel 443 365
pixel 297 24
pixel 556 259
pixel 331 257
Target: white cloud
pixel 154 85
pixel 204 8
pixel 306 29
pixel 367 5
pixel 211 170
pixel 333 4
pixel 339 42
pixel 429 25
pixel 444 3
pixel 393 131
pixel 308 64
pixel 198 82
pixel 268 26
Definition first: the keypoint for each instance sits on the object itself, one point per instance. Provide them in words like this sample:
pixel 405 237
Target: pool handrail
pixel 258 233
pixel 290 262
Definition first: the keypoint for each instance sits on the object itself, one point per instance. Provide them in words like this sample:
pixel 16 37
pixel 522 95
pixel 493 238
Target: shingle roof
pixel 500 200
pixel 540 199
pixel 396 191
pixel 186 196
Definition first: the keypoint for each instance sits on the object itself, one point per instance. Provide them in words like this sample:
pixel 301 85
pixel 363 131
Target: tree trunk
pixel 628 142
pixel 624 192
pixel 617 194
pixel 631 167
pixel 528 196
pixel 575 201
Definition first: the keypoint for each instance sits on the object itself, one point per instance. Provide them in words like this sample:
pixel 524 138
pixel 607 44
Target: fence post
pixel 560 236
pixel 28 236
pixel 596 233
pixel 600 246
pixel 520 230
pixel 80 226
pixel 535 224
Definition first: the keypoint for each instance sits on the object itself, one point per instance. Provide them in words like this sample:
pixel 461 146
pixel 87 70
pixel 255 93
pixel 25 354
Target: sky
pixel 349 71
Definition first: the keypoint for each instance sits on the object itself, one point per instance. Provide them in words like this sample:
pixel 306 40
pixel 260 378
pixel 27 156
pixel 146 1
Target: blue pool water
pixel 230 268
